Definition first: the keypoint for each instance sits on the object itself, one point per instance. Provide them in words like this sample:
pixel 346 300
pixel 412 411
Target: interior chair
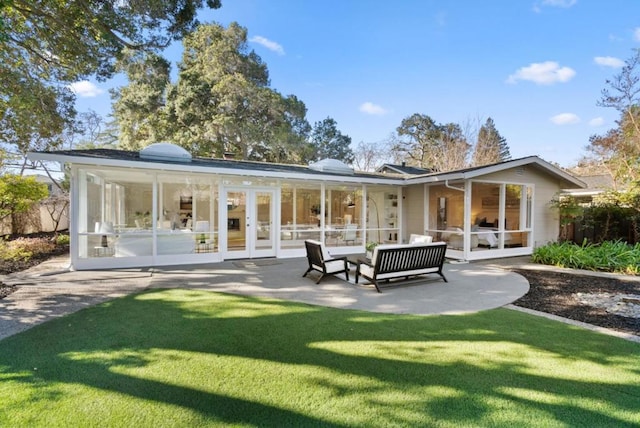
pixel 350 233
pixel 420 239
pixel 321 261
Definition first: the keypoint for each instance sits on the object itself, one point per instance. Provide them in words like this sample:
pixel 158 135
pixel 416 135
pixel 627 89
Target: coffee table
pixel 354 259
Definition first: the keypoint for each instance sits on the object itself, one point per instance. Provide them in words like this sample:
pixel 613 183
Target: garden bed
pixel 604 301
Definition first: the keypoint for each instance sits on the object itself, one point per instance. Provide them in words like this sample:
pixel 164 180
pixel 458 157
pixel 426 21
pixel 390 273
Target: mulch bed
pixel 556 293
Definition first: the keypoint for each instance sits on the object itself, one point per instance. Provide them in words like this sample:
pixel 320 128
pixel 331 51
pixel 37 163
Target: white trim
pixel 437 178
pixel 191 168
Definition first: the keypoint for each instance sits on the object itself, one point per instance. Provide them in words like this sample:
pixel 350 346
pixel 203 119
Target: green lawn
pixel 192 358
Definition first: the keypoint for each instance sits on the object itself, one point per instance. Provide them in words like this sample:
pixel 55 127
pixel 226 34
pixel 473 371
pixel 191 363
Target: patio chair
pixel 320 261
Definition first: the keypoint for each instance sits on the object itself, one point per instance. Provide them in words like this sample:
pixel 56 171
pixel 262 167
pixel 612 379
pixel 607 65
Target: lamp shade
pixel 202 226
pixel 106 227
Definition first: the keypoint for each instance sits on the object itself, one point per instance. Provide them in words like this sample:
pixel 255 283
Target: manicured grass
pixel 195 358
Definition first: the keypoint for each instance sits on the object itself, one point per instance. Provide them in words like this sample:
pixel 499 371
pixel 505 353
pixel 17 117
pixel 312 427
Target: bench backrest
pixel 410 257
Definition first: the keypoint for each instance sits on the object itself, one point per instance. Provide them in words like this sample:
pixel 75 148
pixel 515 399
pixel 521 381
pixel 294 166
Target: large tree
pixel 619 149
pixel 47 45
pixel 329 143
pixel 222 102
pixel 138 107
pixel 426 144
pixel 491 147
pixel 623 94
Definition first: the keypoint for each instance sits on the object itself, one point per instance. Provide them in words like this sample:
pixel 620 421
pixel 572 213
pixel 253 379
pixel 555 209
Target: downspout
pixel 448 186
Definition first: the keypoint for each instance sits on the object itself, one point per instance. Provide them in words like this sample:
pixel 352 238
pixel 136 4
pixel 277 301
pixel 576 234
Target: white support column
pixel 467 219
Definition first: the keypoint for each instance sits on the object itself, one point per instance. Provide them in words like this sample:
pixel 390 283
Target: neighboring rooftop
pixel 597 183
pixel 402 169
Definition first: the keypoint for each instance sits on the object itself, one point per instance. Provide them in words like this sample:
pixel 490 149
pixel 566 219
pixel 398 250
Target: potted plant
pixel 370 247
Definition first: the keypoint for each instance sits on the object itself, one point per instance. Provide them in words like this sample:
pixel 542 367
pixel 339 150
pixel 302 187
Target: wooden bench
pixel 406 260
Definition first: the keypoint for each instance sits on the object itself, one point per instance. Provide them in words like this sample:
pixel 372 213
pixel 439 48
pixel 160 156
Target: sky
pixel 536 67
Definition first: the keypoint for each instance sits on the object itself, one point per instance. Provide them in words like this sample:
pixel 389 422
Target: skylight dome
pixel 332 165
pixel 165 151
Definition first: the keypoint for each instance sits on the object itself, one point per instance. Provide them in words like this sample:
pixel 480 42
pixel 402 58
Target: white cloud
pixel 596 121
pixel 565 119
pixel 371 108
pixel 537 7
pixel 85 89
pixel 269 44
pixel 636 34
pixel 559 3
pixel 543 73
pixel 609 61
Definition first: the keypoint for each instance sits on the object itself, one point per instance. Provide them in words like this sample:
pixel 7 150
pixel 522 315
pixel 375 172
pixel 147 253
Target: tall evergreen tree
pixel 329 143
pixel 491 147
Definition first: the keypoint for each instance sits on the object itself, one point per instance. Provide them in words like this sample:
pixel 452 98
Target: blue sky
pixel 536 67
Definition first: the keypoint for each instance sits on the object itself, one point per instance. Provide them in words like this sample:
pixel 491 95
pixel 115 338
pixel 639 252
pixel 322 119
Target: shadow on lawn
pixel 303 335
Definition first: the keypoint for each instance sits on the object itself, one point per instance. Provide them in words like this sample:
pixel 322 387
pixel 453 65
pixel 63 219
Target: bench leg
pixel 443 277
pixel 375 283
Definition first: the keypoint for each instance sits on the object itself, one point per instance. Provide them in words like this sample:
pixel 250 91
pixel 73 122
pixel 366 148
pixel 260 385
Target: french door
pixel 250 217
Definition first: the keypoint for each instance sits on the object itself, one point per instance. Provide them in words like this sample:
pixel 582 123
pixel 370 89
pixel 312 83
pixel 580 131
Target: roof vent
pixel 332 165
pixel 165 151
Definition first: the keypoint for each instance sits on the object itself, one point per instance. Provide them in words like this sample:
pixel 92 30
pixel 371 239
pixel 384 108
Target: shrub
pixel 25 248
pixel 62 240
pixel 608 256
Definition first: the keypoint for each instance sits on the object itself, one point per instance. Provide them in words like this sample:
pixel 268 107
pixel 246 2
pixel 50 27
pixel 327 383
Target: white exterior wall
pixel 413 210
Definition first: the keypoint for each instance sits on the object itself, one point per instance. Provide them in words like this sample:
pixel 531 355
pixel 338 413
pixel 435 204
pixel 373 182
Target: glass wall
pixel 500 215
pixel 343 211
pixel 446 215
pixel 111 203
pixel 117 216
pixel 339 219
pixel 300 211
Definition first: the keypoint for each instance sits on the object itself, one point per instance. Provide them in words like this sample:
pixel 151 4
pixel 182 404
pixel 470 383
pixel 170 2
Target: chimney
pixel 404 164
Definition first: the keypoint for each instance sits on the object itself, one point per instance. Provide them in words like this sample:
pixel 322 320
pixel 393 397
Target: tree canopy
pixel 221 102
pixel 618 151
pixel 427 144
pixel 47 45
pixel 329 143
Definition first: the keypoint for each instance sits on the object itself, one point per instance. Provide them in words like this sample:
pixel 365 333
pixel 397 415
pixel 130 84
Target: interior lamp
pixel 106 228
pixel 202 227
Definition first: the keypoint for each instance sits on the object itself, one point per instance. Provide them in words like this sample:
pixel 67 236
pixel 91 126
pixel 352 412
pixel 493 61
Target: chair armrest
pixel 332 259
pixel 365 262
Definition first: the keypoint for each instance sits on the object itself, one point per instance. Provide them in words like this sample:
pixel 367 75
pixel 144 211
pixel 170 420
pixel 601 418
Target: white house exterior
pixel 160 207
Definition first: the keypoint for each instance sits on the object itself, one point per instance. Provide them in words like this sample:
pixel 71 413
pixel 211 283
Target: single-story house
pixel 160 206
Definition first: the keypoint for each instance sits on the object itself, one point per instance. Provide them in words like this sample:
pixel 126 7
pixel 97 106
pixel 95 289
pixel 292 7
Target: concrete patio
pixel 50 290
